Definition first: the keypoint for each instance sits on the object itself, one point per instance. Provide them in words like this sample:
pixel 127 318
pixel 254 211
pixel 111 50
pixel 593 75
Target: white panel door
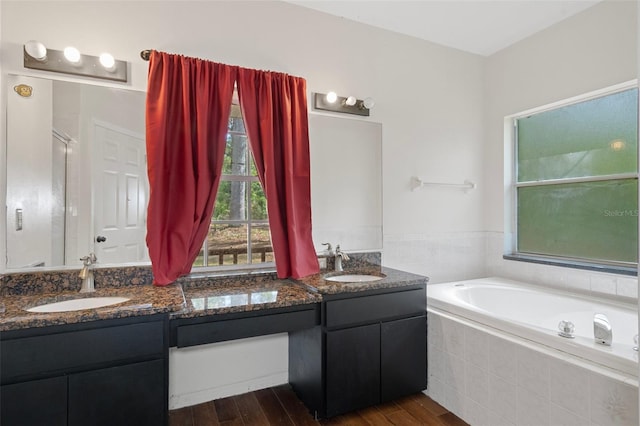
pixel 120 195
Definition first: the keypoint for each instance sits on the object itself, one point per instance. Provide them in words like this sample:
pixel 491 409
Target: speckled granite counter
pixel 189 297
pixel 241 293
pixel 143 300
pixel 392 278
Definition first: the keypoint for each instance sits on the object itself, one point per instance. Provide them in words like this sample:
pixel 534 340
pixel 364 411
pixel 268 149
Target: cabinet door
pixel 352 369
pixel 128 395
pixel 403 355
pixel 34 403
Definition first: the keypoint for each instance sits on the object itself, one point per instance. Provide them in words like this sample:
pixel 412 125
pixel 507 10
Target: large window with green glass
pixel 576 181
pixel 239 231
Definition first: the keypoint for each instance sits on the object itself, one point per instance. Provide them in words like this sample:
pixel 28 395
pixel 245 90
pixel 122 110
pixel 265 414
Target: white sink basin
pixel 78 304
pixel 353 278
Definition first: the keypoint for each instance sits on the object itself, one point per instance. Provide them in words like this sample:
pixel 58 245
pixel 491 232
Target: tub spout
pixel 602 332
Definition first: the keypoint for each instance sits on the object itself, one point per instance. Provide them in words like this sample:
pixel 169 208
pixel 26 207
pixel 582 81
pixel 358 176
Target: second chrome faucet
pixel 340 256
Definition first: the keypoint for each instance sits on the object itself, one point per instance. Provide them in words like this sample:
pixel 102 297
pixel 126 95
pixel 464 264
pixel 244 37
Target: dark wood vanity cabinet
pixel 370 348
pixel 111 372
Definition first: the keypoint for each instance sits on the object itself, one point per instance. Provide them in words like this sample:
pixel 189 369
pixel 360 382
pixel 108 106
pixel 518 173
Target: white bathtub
pixel 533 313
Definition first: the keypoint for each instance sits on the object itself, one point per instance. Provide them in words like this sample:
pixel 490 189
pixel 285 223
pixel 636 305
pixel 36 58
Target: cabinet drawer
pixel 77 350
pixel 240 328
pixel 379 307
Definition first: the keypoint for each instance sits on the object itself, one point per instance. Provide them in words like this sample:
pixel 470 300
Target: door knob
pixel 101 239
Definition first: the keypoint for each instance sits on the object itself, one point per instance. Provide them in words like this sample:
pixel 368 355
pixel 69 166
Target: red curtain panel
pixel 187 113
pixel 274 107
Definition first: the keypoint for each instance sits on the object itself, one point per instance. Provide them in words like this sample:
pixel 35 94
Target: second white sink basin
pixel 353 278
pixel 78 304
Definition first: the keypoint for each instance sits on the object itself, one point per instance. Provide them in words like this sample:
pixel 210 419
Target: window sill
pixel 566 263
pixel 231 270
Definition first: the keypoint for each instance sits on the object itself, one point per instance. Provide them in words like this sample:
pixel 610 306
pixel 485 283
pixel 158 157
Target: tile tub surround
pixel 490 378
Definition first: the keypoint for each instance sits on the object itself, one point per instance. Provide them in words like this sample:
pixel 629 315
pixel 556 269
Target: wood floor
pixel 280 406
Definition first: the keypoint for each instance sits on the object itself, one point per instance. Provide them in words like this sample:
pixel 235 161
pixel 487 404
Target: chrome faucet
pixel 340 256
pixel 86 274
pixel 602 332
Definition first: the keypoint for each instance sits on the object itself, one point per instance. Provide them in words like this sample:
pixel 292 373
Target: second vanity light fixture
pixel 348 105
pixel 71 61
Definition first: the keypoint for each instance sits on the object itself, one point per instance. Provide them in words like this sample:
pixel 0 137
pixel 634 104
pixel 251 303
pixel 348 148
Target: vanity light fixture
pixel 72 55
pixel 350 101
pixel 346 105
pixel 71 61
pixel 107 61
pixel 36 50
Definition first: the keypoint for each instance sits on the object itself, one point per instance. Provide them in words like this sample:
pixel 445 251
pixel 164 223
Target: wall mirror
pixel 346 182
pixel 76 176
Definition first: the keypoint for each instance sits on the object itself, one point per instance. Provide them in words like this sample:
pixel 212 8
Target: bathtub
pixel 533 313
pixel 495 357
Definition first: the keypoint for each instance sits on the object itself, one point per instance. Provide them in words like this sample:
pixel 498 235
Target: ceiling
pixel 482 27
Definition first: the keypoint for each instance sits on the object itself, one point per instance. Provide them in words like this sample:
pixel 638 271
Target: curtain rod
pixel 145 54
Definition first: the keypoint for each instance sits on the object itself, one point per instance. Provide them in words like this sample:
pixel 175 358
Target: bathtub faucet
pixel 602 329
pixel 565 329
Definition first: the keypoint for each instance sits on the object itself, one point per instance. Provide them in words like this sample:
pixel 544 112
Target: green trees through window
pixel 239 231
pixel 577 188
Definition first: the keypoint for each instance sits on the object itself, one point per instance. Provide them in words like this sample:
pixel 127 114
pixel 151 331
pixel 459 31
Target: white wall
pixel 592 50
pixel 428 98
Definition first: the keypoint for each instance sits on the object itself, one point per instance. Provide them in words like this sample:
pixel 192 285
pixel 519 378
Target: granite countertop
pixel 143 300
pixel 224 296
pixel 189 297
pixel 392 278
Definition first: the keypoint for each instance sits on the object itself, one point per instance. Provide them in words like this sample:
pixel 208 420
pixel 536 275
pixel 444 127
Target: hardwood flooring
pixel 280 406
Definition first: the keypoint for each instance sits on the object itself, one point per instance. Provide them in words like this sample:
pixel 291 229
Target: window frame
pixel 249 179
pixel 512 185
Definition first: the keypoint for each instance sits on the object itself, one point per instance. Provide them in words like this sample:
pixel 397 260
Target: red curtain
pixel 188 105
pixel 274 107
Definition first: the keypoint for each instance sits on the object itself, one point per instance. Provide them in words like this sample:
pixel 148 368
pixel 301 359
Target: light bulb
pixel 107 61
pixel 72 54
pixel 36 50
pixel 368 103
pixel 331 97
pixel 351 101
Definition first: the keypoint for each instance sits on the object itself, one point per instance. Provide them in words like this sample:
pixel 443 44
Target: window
pixel 239 231
pixel 576 182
